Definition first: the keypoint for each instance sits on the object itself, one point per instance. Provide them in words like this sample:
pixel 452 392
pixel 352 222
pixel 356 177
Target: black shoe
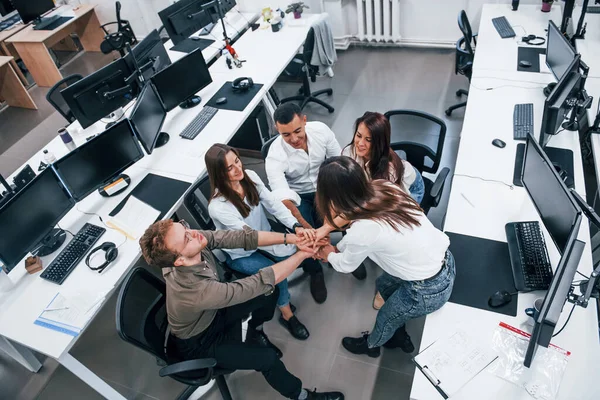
pixel 295 327
pixel 324 395
pixel 260 338
pixel 317 287
pixel 400 339
pixel 360 346
pixel 360 273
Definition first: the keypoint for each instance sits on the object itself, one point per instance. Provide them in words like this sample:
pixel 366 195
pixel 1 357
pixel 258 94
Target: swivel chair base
pixel 459 92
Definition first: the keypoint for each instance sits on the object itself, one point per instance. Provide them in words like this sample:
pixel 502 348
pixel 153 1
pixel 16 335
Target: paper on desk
pixel 134 218
pixel 453 361
pixel 543 67
pixel 68 313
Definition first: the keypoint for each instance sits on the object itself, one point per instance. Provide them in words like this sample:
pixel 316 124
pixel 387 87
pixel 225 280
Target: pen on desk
pixel 56 309
pixel 468 201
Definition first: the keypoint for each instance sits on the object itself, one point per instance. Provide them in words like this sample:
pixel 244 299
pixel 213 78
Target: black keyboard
pixel 46 22
pixel 9 22
pixel 528 256
pixel 522 121
pixel 195 127
pixel 503 27
pixel 70 256
pixel 593 9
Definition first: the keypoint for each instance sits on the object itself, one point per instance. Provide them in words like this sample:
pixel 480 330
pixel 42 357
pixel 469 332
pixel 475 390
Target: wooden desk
pixel 12 90
pixel 33 45
pixel 7 49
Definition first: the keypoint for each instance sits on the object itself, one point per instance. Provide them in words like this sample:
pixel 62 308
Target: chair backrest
pixel 118 12
pixel 420 135
pixel 264 151
pixel 141 314
pixel 465 27
pixel 197 203
pixel 464 60
pixel 309 46
pixel 56 99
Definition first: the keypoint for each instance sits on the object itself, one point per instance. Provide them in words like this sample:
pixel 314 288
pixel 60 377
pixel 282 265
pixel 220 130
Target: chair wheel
pixel 448 112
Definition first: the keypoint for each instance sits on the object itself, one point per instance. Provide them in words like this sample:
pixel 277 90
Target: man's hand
pixel 304 233
pixel 324 252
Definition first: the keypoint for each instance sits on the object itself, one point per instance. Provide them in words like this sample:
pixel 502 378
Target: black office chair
pixel 56 99
pixel 417 133
pixel 465 53
pixel 117 41
pixel 141 319
pixel 301 67
pixel 264 151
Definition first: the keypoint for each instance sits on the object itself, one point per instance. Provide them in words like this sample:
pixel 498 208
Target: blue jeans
pixel 253 263
pixel 406 300
pixel 417 189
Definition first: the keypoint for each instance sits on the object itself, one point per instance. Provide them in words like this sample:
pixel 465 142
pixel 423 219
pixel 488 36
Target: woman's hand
pixel 323 232
pixel 304 233
pixel 324 252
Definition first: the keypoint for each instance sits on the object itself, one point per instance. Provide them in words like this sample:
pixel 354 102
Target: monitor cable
pixel 486 180
pixel 566 322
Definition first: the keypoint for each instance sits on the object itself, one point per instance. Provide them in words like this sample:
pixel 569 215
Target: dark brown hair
pixel 153 245
pixel 216 165
pixel 343 189
pixel 381 154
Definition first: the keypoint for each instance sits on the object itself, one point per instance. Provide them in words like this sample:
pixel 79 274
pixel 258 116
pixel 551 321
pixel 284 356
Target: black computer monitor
pixel 559 52
pixel 184 18
pixel 555 298
pixel 30 10
pixel 6 7
pixel 554 203
pixel 147 119
pixel 556 105
pixel 150 55
pixel 28 218
pixel 227 5
pixel 179 82
pixel 97 95
pixel 98 162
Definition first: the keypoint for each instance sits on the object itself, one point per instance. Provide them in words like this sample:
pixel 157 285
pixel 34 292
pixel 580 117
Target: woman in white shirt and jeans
pixel 239 199
pixel 389 227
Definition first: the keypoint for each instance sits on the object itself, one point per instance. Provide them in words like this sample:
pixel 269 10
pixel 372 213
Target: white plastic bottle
pixel 49 157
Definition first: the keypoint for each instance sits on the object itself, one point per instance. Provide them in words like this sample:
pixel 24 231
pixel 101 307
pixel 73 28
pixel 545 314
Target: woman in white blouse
pixel 389 227
pixel 238 200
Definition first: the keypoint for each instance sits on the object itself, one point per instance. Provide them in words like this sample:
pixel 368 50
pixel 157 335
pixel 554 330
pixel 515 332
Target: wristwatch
pixel 296 225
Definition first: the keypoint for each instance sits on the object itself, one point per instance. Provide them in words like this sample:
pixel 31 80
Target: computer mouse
pixel 524 63
pixel 500 298
pixel 498 143
pixel 221 100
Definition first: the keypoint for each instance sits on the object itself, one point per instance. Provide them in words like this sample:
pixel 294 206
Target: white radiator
pixel 378 20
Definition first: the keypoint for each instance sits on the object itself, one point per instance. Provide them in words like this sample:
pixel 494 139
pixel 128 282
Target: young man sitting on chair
pixel 292 166
pixel 205 313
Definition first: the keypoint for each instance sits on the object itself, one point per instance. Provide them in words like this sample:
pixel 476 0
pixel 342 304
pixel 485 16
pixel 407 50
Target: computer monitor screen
pixel 227 5
pixel 191 18
pixel 96 162
pixel 556 105
pixel 182 79
pixel 555 298
pixel 148 117
pixel 6 7
pixel 30 215
pixel 559 52
pixel 553 201
pixel 97 95
pixel 30 10
pixel 150 55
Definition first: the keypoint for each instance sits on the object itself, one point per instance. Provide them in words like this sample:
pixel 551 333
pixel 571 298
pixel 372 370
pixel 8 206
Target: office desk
pixel 179 159
pixel 7 49
pixel 12 90
pixel 493 202
pixel 33 45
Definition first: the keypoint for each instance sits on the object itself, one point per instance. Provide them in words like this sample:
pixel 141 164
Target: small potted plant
pixel 297 9
pixel 547 5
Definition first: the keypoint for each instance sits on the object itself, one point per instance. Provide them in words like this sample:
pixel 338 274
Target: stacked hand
pixel 313 241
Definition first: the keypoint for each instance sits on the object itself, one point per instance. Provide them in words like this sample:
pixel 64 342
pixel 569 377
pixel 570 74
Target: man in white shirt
pixel 292 167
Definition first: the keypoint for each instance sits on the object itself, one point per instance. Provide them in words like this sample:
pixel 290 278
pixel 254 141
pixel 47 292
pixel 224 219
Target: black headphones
pixel 531 40
pixel 110 255
pixel 242 84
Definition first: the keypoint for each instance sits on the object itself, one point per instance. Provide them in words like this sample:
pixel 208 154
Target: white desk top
pixel 179 159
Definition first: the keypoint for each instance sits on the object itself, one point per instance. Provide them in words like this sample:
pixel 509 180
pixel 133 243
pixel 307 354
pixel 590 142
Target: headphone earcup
pixel 111 254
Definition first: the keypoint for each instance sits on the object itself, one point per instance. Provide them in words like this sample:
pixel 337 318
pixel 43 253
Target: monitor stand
pixel 191 102
pixel 51 242
pixel 207 29
pixel 548 89
pixel 163 138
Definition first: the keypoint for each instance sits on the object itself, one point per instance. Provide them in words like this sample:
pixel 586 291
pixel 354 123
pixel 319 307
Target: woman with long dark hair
pixel 370 147
pixel 387 226
pixel 238 200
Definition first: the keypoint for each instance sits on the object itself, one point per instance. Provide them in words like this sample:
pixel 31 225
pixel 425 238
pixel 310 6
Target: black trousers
pixel 223 342
pixel 308 209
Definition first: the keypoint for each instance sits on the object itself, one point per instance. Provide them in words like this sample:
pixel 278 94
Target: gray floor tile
pixel 9 164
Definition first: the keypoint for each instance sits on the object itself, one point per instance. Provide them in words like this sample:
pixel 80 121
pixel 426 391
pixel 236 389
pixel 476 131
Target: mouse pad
pixel 189 45
pixel 156 191
pixel 531 54
pixel 562 157
pixel 236 101
pixel 482 268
